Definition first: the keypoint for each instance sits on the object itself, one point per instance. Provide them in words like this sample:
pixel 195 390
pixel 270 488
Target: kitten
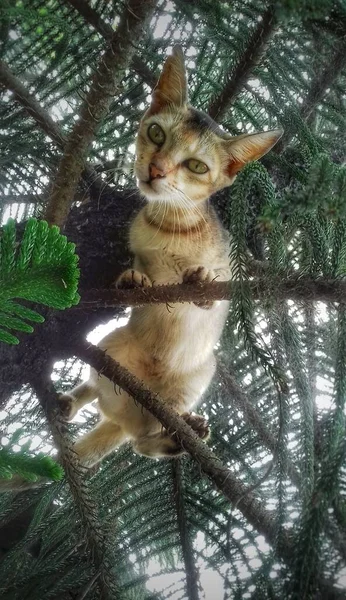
pixel 182 158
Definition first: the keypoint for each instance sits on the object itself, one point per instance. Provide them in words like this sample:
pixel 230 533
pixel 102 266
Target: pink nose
pixel 155 172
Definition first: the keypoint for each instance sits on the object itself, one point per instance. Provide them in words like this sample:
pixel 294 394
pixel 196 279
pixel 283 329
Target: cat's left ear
pixel 243 149
pixel 172 85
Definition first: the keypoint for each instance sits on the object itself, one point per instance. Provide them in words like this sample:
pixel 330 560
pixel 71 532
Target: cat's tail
pixel 19 484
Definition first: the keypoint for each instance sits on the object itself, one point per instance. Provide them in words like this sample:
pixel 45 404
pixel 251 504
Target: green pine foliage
pixel 31 468
pixel 40 267
pixel 278 397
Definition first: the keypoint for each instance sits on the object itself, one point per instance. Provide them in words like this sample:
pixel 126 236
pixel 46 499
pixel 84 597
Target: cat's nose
pixel 155 172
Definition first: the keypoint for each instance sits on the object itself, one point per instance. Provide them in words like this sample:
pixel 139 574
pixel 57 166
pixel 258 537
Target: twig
pixel 29 102
pixel 319 290
pixel 318 88
pixel 251 56
pixel 240 399
pixel 252 417
pixel 101 553
pixel 104 86
pixel 85 591
pixel 42 118
pixel 92 17
pixel 324 80
pixel 186 545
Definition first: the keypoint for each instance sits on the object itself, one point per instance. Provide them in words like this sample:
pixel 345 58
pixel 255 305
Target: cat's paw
pixel 198 423
pixel 200 275
pixel 131 279
pixel 67 406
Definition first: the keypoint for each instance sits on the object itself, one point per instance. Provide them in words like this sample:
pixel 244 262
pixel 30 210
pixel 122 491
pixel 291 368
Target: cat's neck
pixel 174 219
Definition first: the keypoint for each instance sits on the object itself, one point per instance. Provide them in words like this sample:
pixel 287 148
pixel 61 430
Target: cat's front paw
pixel 131 279
pixel 67 406
pixel 198 423
pixel 200 275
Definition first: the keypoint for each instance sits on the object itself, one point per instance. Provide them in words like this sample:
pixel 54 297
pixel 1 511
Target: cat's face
pixel 182 155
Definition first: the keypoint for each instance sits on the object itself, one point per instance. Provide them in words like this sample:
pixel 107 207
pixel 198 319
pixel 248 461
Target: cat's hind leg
pixel 162 444
pixel 99 442
pixel 72 402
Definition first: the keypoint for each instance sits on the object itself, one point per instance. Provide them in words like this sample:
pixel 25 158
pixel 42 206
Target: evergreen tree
pixel 260 512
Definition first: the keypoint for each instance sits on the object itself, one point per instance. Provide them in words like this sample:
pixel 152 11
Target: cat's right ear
pixel 172 85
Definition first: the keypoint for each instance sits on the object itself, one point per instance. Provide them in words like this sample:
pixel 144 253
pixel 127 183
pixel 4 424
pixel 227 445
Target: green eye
pixel 156 134
pixel 196 166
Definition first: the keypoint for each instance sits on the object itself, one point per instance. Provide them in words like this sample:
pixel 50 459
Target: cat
pixel 182 158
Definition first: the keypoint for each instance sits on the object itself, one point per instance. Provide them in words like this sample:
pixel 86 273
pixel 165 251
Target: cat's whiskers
pixel 165 205
pixel 188 206
pixel 186 210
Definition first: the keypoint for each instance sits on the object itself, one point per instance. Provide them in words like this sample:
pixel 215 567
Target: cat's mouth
pixel 148 183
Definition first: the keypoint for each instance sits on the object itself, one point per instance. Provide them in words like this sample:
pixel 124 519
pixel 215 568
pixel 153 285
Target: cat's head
pixel 182 155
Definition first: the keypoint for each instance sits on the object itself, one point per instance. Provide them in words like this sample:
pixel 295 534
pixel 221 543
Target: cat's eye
pixel 196 166
pixel 156 134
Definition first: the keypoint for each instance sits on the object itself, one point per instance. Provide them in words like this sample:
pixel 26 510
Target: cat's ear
pixel 172 85
pixel 248 147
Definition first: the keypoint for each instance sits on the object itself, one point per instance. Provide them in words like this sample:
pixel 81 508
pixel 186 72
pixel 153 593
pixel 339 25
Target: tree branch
pixel 251 56
pixel 42 118
pixel 232 488
pixel 324 80
pixel 318 88
pixel 186 545
pixel 101 553
pixel 319 290
pixel 104 86
pixel 31 105
pixel 92 17
pixel 222 477
pixel 252 417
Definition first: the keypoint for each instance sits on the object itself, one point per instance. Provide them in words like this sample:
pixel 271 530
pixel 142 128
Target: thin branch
pixel 104 86
pixel 23 199
pixel 319 88
pixel 185 540
pixel 324 80
pixel 240 399
pixel 89 586
pixel 241 72
pixel 31 105
pixel 92 17
pixel 319 290
pixel 252 417
pixel 101 554
pixel 42 118
pixel 222 477
pixel 232 488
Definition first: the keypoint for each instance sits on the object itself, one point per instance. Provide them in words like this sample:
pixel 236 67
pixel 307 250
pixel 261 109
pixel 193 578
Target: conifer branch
pixel 185 540
pixel 222 477
pixel 31 105
pixel 23 199
pixel 104 86
pixel 252 417
pixel 324 80
pixel 101 554
pixel 43 119
pixel 92 17
pixel 318 290
pixel 240 73
pixel 232 488
pixel 318 89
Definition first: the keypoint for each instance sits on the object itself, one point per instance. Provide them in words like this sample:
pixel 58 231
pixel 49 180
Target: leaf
pixel 29 467
pixel 42 268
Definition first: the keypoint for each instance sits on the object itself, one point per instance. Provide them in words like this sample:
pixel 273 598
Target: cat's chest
pixel 165 267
